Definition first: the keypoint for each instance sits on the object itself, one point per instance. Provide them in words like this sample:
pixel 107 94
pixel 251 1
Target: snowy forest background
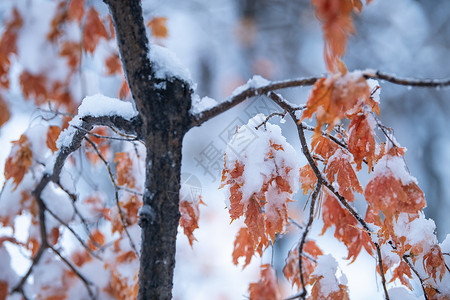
pixel 223 43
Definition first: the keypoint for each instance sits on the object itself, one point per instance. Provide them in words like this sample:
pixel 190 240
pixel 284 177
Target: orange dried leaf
pixel 189 219
pixel 72 51
pixel 254 219
pixel 124 169
pixel 52 135
pixel 387 193
pixel 76 11
pixel 34 86
pixel 361 142
pixel 59 18
pixel 80 257
pixel 323 147
pixel 291 269
pixel 8 45
pixel 94 30
pixel 124 91
pixel 340 170
pixel 400 272
pixel 335 97
pixel 267 287
pixel 244 246
pixel 308 179
pixel 113 65
pixel 19 160
pixel 4 112
pixel 312 249
pixel 346 229
pixel 433 262
pixel 97 239
pixel 158 26
pixel 337 25
pixel 3 290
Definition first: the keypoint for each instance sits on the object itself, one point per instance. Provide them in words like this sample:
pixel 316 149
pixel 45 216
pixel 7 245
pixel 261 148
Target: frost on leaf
pixel 291 269
pixel 361 142
pixel 340 170
pixel 336 97
pixel 19 160
pixel 323 147
pixel 346 227
pixel 403 273
pixel 260 179
pixel 267 287
pixel 392 189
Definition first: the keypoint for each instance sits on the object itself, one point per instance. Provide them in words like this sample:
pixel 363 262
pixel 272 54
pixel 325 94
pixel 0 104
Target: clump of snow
pixel 7 274
pixel 99 105
pixel 96 106
pixel 66 137
pixel 420 231
pixel 255 82
pixel 58 202
pixel 395 166
pixel 199 105
pixel 167 65
pixel 326 268
pixel 400 293
pixel 374 87
pixel 250 147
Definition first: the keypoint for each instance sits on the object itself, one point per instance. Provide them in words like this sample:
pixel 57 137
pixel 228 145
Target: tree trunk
pixel 165 118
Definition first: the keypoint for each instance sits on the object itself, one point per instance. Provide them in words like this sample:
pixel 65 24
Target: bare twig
pixel 86 282
pixel 116 195
pixel 248 93
pixel 282 115
pixel 80 240
pixel 411 266
pixel 88 122
pixel 129 139
pixel 407 81
pixel 306 231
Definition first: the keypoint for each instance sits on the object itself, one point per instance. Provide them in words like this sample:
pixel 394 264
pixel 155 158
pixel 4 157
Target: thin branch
pixel 116 195
pixel 305 233
pixel 34 262
pixel 292 221
pixel 86 282
pixel 282 115
pixel 106 137
pixel 129 126
pixel 407 81
pixel 234 100
pixel 405 258
pixel 80 240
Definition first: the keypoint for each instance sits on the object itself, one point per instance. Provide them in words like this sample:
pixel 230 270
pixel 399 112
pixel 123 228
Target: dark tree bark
pixel 165 117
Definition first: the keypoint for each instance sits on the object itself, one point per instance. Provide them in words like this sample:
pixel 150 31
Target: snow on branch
pixel 260 86
pixel 96 110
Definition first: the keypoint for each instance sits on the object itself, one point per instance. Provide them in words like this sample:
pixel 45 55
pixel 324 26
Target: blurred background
pixel 224 43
